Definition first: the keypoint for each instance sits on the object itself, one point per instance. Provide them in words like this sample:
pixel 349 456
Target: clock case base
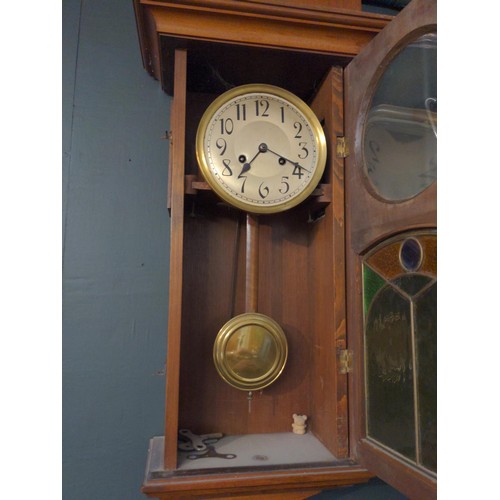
pixel 298 481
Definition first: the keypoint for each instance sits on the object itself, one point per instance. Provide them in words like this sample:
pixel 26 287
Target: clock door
pixel 391 127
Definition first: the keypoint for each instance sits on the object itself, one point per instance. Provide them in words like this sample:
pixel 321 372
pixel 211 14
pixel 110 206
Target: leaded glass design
pixel 372 283
pixel 391 415
pixel 411 283
pixel 425 339
pixel 410 254
pixel 400 347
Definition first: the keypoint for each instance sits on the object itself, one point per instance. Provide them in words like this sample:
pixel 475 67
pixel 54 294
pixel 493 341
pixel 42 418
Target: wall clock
pixel 261 148
pixel 260 227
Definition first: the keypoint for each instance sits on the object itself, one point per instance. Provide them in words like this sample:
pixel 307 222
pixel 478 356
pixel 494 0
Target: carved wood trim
pixel 332 31
pixel 204 485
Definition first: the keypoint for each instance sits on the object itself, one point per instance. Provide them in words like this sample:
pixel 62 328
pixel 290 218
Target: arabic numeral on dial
pixel 297 170
pixel 263 190
pixel 261 108
pixel 285 186
pixel 304 152
pixel 282 114
pixel 226 126
pixel 221 145
pixel 241 112
pixel 227 169
pixel 298 127
pixel 244 177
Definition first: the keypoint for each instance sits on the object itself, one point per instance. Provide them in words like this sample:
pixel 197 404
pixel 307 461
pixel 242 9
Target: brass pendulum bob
pixel 250 350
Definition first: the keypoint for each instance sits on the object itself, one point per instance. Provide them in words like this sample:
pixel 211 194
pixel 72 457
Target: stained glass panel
pixel 399 294
pixel 386 261
pixel 389 375
pixel 429 246
pixel 372 283
pixel 411 254
pixel 412 283
pixel 426 336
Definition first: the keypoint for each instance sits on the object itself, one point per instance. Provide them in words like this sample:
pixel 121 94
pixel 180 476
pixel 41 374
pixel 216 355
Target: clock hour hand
pixel 246 168
pixel 247 165
pixel 282 160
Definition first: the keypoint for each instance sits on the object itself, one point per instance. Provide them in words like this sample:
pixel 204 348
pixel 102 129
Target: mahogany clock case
pixel 300 277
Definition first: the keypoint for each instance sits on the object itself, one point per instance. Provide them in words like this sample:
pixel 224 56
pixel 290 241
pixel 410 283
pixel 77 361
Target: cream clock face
pixel 261 148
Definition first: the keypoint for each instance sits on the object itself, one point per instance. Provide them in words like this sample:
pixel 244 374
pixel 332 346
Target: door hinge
pixel 342 147
pixel 345 361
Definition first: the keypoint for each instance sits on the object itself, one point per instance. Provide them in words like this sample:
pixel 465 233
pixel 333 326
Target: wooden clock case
pixel 198 50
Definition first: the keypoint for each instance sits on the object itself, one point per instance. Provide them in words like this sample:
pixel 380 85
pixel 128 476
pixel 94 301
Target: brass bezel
pixel 303 108
pixel 223 337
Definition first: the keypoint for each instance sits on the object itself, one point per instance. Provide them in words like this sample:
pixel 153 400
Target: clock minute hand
pixel 295 164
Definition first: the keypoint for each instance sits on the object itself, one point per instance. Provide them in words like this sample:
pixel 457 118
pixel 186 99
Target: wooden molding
pixel 323 30
pixel 304 480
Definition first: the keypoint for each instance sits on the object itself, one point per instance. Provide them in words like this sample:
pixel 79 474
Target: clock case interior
pixel 301 272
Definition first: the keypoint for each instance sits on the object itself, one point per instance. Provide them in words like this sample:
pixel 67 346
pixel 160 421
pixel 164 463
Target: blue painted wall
pixel 115 253
pixel 115 256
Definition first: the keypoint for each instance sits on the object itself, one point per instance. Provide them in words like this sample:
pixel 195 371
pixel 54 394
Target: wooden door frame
pixel 362 234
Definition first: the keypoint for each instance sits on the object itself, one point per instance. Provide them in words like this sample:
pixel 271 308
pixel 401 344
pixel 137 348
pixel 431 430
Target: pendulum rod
pixel 252 263
pixel 251 273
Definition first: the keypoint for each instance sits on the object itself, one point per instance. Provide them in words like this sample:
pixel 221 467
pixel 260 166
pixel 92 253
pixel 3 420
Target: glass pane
pixel 429 245
pixel 411 254
pixel 426 336
pixel 372 282
pixel 400 135
pixel 412 283
pixel 386 261
pixel 389 376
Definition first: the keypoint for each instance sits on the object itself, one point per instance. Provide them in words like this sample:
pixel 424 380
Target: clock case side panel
pixel 176 200
pixel 370 220
pixel 301 284
pixel 327 275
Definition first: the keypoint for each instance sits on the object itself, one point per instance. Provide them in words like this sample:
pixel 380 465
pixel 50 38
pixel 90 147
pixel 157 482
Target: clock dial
pixel 261 148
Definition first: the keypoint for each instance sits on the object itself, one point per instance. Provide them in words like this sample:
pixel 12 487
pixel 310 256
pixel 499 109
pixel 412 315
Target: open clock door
pixel 391 128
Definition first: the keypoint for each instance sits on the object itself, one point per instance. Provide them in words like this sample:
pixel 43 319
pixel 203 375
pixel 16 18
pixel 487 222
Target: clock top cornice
pixel 329 27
